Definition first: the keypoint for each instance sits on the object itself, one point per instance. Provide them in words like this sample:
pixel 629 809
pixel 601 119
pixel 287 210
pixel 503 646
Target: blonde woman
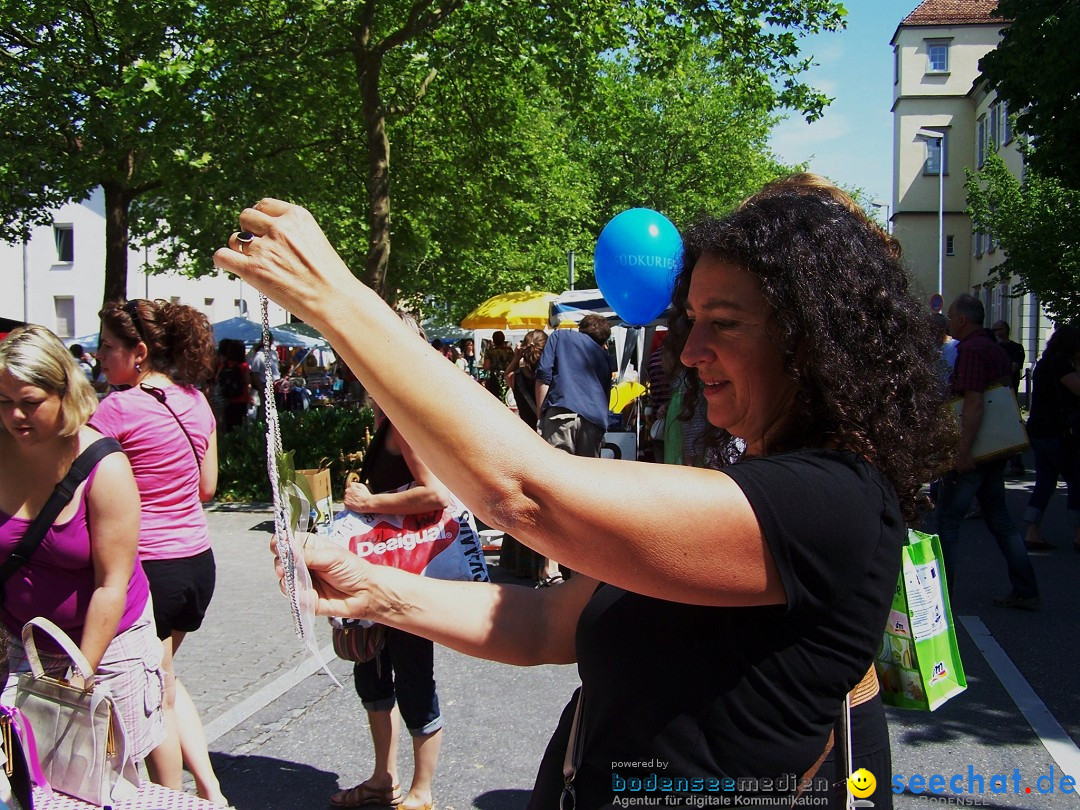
pixel 84 576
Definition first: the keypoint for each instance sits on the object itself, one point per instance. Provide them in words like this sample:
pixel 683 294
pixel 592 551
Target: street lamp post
pixel 888 221
pixel 927 135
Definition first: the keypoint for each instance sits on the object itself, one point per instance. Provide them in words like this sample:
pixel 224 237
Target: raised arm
pixel 677 533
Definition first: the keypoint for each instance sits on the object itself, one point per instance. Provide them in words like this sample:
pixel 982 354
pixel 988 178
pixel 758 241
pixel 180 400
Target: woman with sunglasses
pixel 158 353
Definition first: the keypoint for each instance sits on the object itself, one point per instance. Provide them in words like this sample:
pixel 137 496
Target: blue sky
pixel 852 143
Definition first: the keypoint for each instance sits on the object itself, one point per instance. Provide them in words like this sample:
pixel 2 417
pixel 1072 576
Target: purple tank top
pixel 58 581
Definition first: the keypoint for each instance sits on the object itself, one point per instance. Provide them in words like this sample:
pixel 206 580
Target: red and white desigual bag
pixel 441 545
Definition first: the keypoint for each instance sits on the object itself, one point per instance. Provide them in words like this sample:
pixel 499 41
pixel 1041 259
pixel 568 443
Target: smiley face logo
pixel 862 783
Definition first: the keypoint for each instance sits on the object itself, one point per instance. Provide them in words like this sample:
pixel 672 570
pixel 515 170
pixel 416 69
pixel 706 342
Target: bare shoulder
pixel 115 467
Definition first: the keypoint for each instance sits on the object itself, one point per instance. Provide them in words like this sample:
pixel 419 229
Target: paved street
pixel 285 737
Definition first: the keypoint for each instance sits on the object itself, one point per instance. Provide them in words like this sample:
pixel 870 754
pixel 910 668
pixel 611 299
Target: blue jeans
pixel 404 673
pixel 986 483
pixel 1054 459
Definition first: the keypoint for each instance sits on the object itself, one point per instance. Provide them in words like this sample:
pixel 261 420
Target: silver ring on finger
pixel 245 238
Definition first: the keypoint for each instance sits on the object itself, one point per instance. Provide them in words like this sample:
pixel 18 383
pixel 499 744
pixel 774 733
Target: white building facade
pixel 57 278
pixel 938 91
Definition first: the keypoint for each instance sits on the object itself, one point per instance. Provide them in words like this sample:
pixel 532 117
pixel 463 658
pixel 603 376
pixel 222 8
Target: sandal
pixel 547 582
pixel 364 795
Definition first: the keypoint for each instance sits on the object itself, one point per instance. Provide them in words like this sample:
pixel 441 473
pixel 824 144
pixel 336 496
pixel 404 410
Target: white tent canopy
pixel 571 306
pixel 250 333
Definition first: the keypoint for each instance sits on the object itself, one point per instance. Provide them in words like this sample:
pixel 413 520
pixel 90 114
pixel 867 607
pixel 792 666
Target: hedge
pixel 334 437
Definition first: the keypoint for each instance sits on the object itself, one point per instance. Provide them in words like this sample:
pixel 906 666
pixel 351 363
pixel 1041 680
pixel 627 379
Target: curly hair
pixel 810 183
pixel 850 333
pixel 532 346
pixel 178 338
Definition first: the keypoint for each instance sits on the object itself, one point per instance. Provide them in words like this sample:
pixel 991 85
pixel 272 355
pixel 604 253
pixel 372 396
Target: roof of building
pixel 952 12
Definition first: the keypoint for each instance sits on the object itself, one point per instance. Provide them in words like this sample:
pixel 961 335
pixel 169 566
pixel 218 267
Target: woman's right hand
pixel 341 580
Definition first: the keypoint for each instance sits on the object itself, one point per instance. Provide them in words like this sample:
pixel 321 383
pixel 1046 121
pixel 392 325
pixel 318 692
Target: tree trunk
pixel 117 207
pixel 378 146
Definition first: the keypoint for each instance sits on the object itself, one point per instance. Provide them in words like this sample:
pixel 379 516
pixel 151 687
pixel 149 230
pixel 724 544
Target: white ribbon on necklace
pixel 291 514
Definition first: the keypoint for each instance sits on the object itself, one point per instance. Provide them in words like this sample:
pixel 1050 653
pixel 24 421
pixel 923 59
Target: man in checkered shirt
pixel 980 363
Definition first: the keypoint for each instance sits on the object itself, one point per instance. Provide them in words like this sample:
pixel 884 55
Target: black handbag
pixel 358 643
pixel 16 767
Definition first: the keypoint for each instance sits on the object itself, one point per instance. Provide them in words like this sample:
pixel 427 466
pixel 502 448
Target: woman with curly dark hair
pixel 720 616
pixel 162 352
pixel 870 740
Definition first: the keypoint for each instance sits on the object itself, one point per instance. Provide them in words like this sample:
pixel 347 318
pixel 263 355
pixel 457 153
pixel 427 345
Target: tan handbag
pixel 1002 431
pixel 79 735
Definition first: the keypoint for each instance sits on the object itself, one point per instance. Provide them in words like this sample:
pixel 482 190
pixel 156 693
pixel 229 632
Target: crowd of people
pixel 766 549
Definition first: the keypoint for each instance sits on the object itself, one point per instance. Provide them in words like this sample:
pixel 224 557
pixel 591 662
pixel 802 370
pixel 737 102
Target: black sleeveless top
pixel 383 471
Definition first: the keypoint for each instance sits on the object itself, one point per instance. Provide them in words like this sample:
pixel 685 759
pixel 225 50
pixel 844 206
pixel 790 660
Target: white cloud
pixel 794 140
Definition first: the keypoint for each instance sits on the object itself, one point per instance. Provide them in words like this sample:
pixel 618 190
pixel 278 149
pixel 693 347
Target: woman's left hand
pixel 356 496
pixel 289 259
pixel 341 580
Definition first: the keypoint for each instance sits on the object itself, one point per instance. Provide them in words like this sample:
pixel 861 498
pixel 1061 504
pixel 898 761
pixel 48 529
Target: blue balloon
pixel 636 260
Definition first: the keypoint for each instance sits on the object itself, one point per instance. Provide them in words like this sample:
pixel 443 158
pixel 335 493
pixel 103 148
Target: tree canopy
pixel 1035 222
pixel 518 126
pixel 1036 70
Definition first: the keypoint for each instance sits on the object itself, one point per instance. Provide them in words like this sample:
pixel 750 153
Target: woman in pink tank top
pixel 84 575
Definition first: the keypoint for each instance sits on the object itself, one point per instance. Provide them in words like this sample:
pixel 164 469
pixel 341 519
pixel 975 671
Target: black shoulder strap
pixel 159 395
pixel 61 495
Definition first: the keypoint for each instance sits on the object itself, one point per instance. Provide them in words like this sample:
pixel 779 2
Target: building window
pixel 64 307
pixel 896 65
pixel 65 242
pixel 980 142
pixel 937 51
pixel 1003 134
pixel 937 155
pixel 949 249
pixel 994 135
pixel 977 241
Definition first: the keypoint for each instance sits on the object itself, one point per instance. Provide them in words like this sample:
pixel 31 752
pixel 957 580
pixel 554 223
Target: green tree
pixel 301 99
pixel 116 95
pixel 1036 70
pixel 1036 223
pixel 685 141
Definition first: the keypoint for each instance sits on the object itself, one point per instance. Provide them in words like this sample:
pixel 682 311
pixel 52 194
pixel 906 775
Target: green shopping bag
pixel 918 664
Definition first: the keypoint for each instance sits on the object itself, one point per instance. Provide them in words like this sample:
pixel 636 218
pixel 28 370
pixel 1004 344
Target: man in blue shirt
pixel 573 389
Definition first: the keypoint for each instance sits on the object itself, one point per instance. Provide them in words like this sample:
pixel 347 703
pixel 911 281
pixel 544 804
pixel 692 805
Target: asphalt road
pixel 284 736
